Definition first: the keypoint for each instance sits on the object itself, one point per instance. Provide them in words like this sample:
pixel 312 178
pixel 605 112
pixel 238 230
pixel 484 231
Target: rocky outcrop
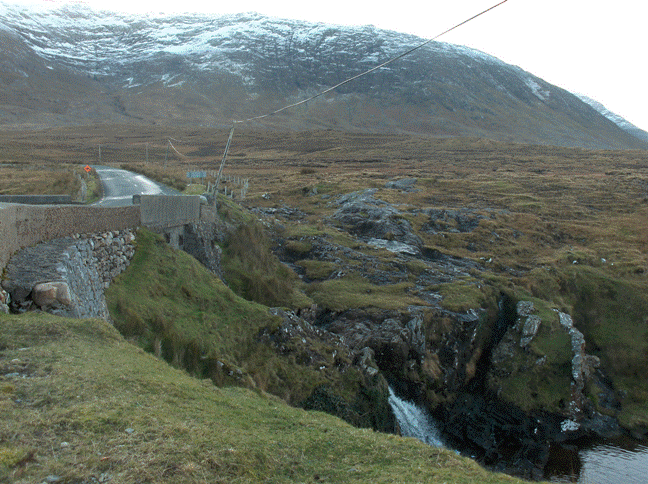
pixel 403 184
pixel 583 367
pixel 504 378
pixel 500 435
pixel 396 340
pixel 322 350
pixel 68 276
pixel 426 354
pixel 516 338
pixel 372 219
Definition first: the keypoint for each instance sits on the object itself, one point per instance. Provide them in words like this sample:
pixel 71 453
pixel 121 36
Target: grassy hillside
pixel 172 306
pixel 79 402
pixel 562 228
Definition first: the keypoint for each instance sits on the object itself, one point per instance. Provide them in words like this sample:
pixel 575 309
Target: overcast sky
pixel 589 47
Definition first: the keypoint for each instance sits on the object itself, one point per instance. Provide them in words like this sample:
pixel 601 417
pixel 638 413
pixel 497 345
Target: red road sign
pixel 88 169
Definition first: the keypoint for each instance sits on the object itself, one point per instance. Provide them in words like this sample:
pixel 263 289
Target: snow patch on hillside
pixel 537 90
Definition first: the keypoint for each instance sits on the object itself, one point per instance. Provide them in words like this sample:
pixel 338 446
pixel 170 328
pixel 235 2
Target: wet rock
pixel 602 426
pixel 497 433
pixel 455 346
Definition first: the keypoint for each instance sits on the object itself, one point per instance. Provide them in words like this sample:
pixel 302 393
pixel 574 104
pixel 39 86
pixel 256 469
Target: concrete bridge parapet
pixel 168 215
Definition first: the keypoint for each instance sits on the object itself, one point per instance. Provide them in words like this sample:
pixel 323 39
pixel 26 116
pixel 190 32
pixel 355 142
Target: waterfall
pixel 414 421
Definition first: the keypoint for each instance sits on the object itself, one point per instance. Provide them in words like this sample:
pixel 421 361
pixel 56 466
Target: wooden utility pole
pixel 220 170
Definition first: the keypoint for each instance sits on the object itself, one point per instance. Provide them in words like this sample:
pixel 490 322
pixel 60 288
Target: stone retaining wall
pixel 26 225
pixel 68 276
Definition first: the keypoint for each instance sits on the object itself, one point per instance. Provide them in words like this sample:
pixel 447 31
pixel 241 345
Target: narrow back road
pixel 119 186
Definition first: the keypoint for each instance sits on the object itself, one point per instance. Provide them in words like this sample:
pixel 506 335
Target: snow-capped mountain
pixel 621 122
pixel 73 65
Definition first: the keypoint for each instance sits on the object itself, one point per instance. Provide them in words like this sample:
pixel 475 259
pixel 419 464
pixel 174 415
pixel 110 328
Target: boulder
pixel 51 295
pixel 404 184
pixel 4 301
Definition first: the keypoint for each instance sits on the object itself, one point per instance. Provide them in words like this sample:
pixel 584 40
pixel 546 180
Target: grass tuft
pixel 255 273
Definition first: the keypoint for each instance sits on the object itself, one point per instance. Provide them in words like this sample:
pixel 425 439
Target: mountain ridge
pixel 74 65
pixel 615 118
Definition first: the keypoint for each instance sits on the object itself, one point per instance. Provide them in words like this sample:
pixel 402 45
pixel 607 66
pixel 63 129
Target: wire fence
pixel 159 155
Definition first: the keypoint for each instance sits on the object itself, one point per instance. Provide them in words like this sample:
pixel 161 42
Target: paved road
pixel 120 185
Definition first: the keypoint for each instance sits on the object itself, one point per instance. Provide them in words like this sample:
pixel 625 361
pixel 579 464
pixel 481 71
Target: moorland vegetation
pixel 561 228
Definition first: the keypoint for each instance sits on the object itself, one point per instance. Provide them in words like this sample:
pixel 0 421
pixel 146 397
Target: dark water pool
pixel 615 462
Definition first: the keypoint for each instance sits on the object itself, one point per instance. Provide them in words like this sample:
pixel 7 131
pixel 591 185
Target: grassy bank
pixel 79 402
pixel 171 306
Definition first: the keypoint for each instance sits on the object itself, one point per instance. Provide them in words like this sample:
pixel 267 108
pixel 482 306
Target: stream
pixel 620 461
pixel 414 421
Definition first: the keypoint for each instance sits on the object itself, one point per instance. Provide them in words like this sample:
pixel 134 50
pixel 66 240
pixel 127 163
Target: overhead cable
pixel 393 59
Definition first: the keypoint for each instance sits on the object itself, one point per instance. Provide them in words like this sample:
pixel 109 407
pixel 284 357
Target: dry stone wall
pixel 68 276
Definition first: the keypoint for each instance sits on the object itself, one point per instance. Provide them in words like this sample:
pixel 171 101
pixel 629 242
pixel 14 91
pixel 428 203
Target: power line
pixel 174 148
pixel 393 59
pixel 346 81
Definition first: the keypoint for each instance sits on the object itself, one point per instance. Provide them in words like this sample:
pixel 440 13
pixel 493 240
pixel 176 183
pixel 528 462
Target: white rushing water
pixel 414 421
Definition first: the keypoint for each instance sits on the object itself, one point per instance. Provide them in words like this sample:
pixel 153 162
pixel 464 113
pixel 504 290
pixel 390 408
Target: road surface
pixel 119 186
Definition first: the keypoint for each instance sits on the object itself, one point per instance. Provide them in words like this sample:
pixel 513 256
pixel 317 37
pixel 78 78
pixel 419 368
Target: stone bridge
pixel 84 247
pixel 27 225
